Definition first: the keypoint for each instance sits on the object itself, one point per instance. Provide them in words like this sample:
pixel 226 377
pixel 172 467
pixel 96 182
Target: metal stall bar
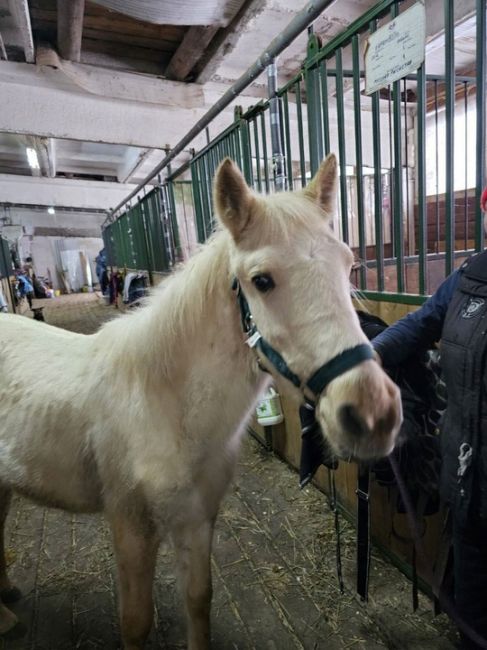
pixel 450 136
pixel 278 162
pixel 313 101
pixel 481 60
pixel 437 174
pixel 264 151
pixel 257 154
pixel 289 161
pixel 378 217
pixel 358 162
pixel 299 23
pixel 299 117
pixel 341 144
pixel 324 103
pixel 397 176
pixel 465 163
pixel 421 179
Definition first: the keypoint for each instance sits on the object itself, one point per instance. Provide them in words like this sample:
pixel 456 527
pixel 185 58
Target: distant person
pixel 26 288
pixel 28 268
pixel 101 270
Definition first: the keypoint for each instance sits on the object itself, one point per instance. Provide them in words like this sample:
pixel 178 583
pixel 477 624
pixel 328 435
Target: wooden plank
pixel 19 10
pixel 70 28
pixel 155 44
pixel 123 51
pixel 114 23
pixel 126 64
pixel 194 44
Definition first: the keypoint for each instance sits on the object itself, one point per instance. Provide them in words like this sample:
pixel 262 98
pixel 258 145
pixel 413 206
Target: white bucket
pixel 269 410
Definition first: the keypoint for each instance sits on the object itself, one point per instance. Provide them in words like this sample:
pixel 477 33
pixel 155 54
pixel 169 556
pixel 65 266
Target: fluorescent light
pixel 32 158
pixel 51 210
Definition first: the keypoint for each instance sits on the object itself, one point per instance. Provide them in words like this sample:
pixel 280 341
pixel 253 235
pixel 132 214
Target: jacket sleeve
pixel 419 329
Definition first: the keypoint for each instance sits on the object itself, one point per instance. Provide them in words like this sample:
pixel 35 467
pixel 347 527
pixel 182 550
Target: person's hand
pixel 377 357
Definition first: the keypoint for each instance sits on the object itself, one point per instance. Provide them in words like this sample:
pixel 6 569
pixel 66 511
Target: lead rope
pixel 334 508
pixel 446 604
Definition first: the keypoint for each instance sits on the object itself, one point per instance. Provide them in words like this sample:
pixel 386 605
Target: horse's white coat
pixel 142 419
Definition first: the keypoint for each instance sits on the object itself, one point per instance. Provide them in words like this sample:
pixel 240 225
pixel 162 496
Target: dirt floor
pixel 274 566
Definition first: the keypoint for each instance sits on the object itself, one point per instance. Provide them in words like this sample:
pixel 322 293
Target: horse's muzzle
pixel 361 414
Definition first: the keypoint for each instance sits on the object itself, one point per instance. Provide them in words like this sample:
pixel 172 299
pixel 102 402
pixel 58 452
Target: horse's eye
pixel 263 282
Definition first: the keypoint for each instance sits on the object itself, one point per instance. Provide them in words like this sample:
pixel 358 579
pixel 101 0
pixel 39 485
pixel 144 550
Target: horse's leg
pixel 8 593
pixel 135 551
pixel 193 550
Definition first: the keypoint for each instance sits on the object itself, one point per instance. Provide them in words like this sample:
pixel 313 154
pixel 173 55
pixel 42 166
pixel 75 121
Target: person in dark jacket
pixel 456 316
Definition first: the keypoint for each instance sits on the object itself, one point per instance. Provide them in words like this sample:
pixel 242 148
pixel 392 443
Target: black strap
pixel 363 531
pixel 344 361
pixel 334 508
pixel 278 362
pixel 323 376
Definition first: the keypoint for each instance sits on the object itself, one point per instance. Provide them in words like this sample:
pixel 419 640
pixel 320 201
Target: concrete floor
pixel 275 585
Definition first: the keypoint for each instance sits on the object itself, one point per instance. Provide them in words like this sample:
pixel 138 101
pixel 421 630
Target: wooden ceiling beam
pixel 20 13
pixel 190 51
pixel 226 39
pixel 70 28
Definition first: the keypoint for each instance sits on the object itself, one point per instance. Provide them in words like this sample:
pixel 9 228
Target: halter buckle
pixel 252 339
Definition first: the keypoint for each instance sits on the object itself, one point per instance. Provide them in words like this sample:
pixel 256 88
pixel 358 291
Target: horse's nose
pixel 351 420
pixel 361 421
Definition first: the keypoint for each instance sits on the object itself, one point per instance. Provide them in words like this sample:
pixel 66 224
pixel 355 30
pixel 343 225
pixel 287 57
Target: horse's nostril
pixel 351 420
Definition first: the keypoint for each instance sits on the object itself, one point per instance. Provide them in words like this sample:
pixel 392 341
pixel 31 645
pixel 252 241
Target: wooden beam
pixel 226 39
pixel 70 28
pixel 117 107
pixel 3 51
pixel 20 13
pixel 192 48
pixel 101 195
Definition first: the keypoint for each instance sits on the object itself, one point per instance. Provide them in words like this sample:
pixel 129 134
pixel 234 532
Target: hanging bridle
pixel 319 380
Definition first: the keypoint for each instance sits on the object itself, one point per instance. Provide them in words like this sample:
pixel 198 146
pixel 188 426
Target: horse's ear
pixel 323 187
pixel 233 199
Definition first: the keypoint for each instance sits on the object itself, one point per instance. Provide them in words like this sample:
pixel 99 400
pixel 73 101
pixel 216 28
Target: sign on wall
pixel 396 49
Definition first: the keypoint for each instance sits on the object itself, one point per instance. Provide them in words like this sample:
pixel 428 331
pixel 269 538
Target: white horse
pixel 142 420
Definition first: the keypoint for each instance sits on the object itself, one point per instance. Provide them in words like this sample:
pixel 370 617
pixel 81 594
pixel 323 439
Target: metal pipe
pixel 450 136
pixel 421 180
pixel 278 160
pixel 481 62
pixel 357 107
pixel 306 16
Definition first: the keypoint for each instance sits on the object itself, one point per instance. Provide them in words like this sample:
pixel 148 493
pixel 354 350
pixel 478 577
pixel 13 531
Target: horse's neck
pixel 191 323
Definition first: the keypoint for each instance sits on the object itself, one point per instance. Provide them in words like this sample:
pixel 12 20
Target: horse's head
pixel 294 274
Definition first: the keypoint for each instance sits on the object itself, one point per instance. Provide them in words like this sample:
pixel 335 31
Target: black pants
pixel 470 575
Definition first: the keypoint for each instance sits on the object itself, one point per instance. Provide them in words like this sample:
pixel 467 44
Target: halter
pixel 317 383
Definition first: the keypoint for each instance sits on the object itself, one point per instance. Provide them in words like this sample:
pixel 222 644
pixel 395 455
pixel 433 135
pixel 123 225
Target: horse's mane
pixel 157 331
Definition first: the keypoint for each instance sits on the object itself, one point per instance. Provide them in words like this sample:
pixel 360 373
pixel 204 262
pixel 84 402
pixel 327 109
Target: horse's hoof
pixel 10 595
